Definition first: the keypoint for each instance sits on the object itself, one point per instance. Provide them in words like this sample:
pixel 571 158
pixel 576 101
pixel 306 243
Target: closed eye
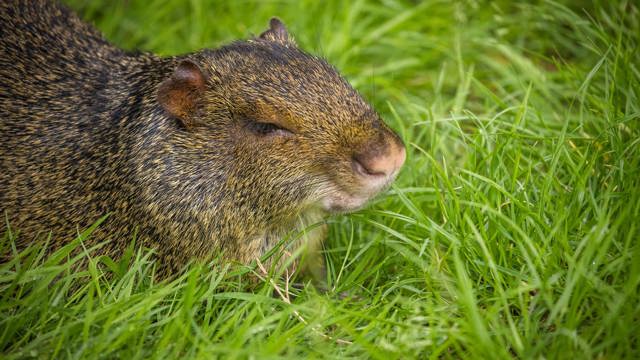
pixel 265 128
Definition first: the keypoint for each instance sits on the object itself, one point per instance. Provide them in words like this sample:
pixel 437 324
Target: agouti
pixel 220 151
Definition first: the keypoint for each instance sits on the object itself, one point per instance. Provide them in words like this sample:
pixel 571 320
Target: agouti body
pixel 220 151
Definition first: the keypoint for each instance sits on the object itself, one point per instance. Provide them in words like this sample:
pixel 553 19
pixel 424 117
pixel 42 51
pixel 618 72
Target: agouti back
pixel 222 150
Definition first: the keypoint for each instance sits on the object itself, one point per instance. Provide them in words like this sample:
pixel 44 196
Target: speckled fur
pixel 82 135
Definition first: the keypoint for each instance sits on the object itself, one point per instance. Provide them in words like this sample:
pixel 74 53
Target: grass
pixel 511 232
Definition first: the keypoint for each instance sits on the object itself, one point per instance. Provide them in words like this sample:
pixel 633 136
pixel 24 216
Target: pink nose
pixel 380 164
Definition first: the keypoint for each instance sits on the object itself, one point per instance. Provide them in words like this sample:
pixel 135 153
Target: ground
pixel 512 230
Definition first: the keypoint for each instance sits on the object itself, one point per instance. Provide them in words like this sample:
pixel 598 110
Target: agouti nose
pixel 380 164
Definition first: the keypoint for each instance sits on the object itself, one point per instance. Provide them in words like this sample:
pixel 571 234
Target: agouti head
pixel 279 128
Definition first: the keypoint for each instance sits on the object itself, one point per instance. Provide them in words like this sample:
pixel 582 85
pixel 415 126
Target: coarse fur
pixel 224 150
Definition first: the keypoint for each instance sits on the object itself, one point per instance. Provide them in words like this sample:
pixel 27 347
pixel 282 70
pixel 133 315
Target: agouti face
pixel 295 133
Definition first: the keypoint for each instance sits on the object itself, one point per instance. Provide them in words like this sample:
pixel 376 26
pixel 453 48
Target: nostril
pixel 380 163
pixel 366 166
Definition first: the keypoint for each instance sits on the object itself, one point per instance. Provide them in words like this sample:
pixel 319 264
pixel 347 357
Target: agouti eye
pixel 264 128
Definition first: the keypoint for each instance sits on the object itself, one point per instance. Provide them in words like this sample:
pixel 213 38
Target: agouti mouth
pixel 356 192
pixel 343 206
pixel 340 201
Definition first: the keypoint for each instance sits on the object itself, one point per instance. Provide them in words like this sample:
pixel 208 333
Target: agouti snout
pixel 224 150
pixel 374 168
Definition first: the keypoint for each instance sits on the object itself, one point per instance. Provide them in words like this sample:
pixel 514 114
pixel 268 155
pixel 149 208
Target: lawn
pixel 512 231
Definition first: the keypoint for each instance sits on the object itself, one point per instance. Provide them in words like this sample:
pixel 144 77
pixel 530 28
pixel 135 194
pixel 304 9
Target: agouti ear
pixel 180 94
pixel 277 32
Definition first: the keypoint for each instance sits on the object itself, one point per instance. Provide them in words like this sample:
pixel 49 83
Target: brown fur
pixel 220 150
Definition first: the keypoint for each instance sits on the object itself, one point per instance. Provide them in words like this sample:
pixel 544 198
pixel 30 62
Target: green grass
pixel 512 230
